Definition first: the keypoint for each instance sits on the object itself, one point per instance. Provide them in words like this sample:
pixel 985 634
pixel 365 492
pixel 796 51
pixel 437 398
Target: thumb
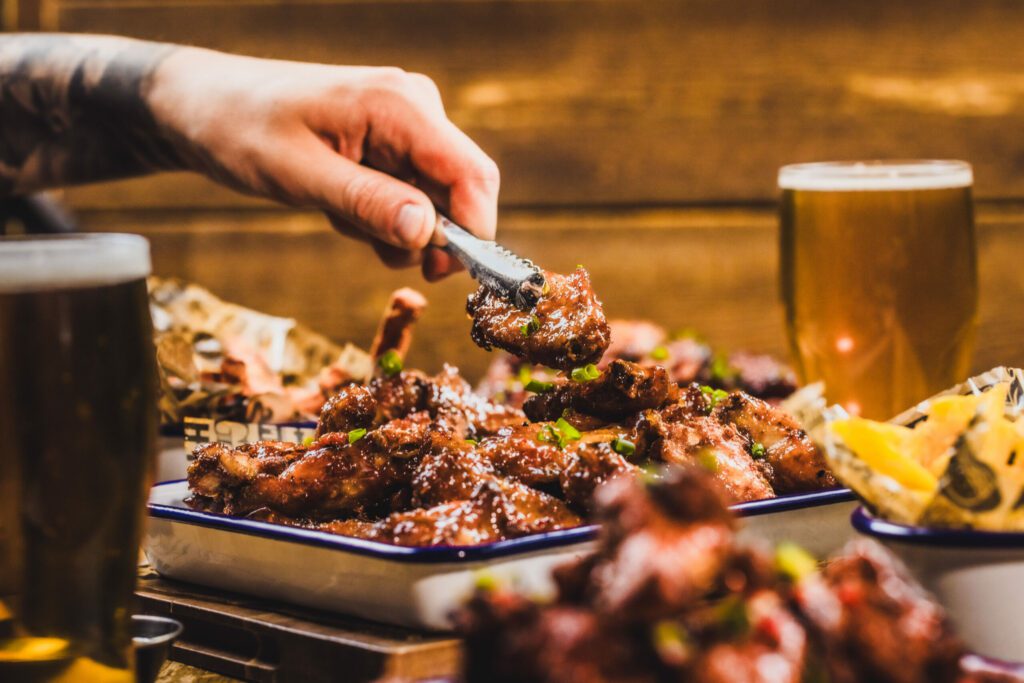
pixel 383 207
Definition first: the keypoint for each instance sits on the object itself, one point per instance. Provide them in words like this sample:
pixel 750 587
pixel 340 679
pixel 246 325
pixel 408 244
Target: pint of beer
pixel 77 435
pixel 879 279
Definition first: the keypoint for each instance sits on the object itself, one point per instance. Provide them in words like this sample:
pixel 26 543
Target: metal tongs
pixel 495 267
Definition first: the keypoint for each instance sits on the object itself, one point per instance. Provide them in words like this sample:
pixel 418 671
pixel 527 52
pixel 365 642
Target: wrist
pixel 169 95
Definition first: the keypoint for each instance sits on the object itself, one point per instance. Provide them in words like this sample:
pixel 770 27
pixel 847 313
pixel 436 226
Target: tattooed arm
pixel 371 147
pixel 73 110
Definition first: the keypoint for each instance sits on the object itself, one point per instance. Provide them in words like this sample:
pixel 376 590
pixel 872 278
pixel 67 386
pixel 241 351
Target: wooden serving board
pixel 257 640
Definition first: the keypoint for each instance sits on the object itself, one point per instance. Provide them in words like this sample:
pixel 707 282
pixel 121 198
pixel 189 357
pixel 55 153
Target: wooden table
pixel 233 637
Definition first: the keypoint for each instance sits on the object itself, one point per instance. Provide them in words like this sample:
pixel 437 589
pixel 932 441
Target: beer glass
pixel 879 278
pixel 77 436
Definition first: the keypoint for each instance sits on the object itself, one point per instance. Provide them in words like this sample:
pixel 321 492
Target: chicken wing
pixel 566 328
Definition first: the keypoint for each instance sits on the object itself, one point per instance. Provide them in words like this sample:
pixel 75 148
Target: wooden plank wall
pixel 639 137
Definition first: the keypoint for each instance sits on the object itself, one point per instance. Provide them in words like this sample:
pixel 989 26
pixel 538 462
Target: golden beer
pixel 77 435
pixel 879 279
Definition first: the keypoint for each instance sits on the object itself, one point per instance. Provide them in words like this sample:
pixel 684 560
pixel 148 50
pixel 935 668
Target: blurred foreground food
pixel 671 595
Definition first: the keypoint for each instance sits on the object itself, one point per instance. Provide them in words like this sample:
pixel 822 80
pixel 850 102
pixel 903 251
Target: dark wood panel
pixel 715 271
pixel 661 101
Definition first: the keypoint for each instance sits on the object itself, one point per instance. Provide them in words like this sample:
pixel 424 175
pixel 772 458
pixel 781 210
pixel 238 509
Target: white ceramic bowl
pixel 978 576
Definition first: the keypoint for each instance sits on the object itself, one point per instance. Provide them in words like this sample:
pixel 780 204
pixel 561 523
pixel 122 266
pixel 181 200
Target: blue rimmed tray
pixel 416 587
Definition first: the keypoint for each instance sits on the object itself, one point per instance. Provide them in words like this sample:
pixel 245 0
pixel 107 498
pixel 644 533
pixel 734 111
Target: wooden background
pixel 638 137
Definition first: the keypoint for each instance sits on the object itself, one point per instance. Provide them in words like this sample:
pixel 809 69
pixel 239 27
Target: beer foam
pixel 71 261
pixel 876 175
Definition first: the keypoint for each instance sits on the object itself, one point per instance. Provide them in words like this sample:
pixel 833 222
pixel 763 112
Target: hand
pixel 371 147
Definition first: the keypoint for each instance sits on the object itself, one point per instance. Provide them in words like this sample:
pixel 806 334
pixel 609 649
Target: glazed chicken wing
pixel 330 478
pixel 446 397
pixel 793 463
pixel 454 470
pixel 875 624
pixel 519 453
pixel 566 328
pixel 621 390
pixel 719 448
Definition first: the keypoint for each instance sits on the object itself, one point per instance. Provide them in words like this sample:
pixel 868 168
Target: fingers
pixel 408 127
pixel 392 257
pixel 383 207
pixel 449 158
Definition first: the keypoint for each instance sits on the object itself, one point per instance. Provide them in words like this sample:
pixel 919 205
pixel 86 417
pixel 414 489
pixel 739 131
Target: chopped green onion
pixel 539 387
pixel 486 582
pixel 356 434
pixel 559 433
pixel 623 447
pixel 708 460
pixel 651 473
pixel 715 396
pixel 793 561
pixel 547 434
pixel 472 442
pixel 390 362
pixel 757 450
pixel 579 266
pixel 531 326
pixel 308 441
pixel 570 432
pixel 525 375
pixel 659 353
pixel 588 373
pixel 671 641
pixel 721 370
pixel 732 614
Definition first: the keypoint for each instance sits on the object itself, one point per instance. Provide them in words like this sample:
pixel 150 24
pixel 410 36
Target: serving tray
pixel 416 587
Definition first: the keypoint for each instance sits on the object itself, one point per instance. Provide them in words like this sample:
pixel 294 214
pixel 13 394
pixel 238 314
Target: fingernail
pixel 410 224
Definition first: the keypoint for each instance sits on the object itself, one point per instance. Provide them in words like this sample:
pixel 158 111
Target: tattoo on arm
pixel 73 110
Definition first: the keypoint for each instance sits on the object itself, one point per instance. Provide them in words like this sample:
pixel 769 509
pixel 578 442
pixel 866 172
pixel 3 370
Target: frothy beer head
pixel 71 261
pixel 866 176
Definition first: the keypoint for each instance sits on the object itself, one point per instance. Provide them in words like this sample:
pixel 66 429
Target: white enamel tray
pixel 417 587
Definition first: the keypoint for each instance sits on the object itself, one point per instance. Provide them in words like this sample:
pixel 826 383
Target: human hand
pixel 371 147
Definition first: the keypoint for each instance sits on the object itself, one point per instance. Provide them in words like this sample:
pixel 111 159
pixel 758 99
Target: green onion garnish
pixel 732 614
pixel 672 641
pixel 650 473
pixel 715 396
pixel 308 441
pixel 757 450
pixel 721 370
pixel 570 432
pixel 538 387
pixel 356 434
pixel 793 561
pixel 623 447
pixel 472 442
pixel 659 353
pixel 531 326
pixel 525 375
pixel 486 582
pixel 708 460
pixel 390 362
pixel 559 433
pixel 588 373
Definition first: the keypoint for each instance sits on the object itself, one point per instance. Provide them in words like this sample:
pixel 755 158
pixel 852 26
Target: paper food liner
pixel 283 365
pixel 971 493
